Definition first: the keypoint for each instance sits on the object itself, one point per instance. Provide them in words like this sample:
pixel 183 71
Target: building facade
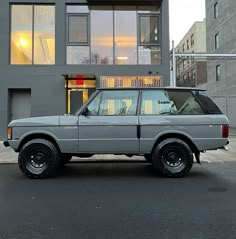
pixel 221 39
pixel 191 72
pixel 55 53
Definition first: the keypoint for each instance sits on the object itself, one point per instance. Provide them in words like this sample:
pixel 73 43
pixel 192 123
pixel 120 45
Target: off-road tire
pixel 172 158
pixel 39 158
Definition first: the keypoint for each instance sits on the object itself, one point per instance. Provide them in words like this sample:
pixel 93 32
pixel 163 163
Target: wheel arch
pixel 38 136
pixel 182 137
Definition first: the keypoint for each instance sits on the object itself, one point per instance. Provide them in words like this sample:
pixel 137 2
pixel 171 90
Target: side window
pixel 185 103
pixel 207 103
pixel 161 102
pixel 119 103
pixel 156 103
pixel 93 107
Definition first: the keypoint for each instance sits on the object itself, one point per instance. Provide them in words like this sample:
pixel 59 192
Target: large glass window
pixel 78 38
pixel 101 35
pixel 130 81
pixel 32 34
pixel 149 55
pixel 113 35
pixel 78 55
pixel 125 35
pixel 149 51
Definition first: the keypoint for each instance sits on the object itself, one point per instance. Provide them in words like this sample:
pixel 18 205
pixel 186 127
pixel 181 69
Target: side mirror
pixel 85 111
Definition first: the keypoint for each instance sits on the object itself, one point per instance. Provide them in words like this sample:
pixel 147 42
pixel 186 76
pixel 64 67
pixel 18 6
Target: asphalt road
pixel 119 200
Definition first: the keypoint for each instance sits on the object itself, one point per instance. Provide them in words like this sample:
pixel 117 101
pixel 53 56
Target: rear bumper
pixel 6 144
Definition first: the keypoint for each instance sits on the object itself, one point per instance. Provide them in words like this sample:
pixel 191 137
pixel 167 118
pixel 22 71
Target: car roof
pixel 155 88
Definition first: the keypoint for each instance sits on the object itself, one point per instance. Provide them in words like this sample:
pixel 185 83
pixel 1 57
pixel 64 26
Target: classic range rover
pixel 168 126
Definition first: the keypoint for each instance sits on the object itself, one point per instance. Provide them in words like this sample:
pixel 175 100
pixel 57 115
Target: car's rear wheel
pixel 39 158
pixel 172 158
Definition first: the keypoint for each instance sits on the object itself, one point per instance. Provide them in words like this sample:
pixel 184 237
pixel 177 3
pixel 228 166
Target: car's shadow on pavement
pixel 117 169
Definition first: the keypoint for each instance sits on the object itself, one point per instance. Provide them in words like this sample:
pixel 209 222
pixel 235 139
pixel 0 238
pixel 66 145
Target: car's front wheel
pixel 172 158
pixel 39 158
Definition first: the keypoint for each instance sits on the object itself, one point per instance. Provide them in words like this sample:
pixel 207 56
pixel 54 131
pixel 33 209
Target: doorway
pixel 78 90
pixel 19 103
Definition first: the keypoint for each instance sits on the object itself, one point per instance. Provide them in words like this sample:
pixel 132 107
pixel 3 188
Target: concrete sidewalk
pixel 7 155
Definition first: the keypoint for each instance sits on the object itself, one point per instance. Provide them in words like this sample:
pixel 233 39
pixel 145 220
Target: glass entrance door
pixel 78 90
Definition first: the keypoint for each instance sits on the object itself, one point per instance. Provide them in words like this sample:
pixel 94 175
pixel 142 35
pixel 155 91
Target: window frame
pixel 68 43
pixel 192 40
pixel 139 15
pixel 191 93
pixel 216 10
pixel 139 31
pixel 150 44
pixel 217 41
pixel 32 5
pixel 218 75
pixel 100 94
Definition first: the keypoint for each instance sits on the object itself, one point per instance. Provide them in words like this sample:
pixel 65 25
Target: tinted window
pixel 78 29
pixel 119 103
pixel 207 103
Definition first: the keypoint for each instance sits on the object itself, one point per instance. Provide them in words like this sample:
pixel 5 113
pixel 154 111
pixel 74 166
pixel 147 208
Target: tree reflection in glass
pixel 101 35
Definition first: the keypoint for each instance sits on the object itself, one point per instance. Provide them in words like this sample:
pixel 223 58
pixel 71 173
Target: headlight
pixel 9 133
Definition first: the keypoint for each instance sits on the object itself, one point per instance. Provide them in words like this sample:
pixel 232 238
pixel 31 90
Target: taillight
pixel 225 131
pixel 9 133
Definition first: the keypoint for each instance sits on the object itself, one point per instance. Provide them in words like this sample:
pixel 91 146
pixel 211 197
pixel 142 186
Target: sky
pixel 183 14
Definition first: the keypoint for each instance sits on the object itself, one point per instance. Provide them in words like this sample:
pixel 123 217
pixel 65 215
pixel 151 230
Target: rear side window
pixel 160 102
pixel 207 103
pixel 185 103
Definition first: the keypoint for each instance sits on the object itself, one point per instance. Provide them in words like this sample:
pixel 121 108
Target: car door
pixel 173 112
pixel 110 123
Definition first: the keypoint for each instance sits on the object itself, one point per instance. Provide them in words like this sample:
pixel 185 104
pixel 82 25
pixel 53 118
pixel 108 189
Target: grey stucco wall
pixel 46 82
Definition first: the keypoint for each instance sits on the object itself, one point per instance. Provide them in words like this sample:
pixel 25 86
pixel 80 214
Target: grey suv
pixel 165 125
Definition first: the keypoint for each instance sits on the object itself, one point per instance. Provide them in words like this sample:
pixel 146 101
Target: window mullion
pixel 33 20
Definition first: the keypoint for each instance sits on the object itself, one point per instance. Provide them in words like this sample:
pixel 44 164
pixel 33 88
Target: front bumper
pixel 6 144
